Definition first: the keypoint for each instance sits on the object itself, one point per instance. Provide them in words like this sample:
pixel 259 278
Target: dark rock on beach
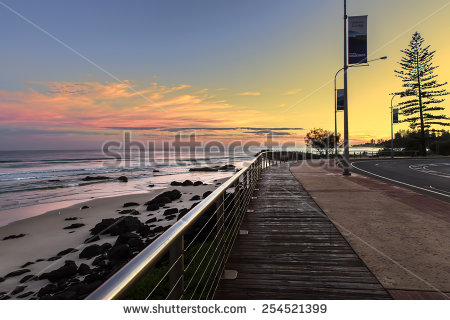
pixel 48 289
pixel 204 169
pixel 26 278
pixel 90 251
pixel 144 230
pixel 198 183
pixel 83 269
pixel 162 199
pixel 84 207
pixel 206 194
pixel 66 252
pixel 92 278
pixel 27 264
pixel 91 178
pixel 195 198
pixel 156 170
pixel 133 240
pixel 54 258
pixel 117 226
pixel 152 207
pixel 17 273
pixel 130 211
pixel 182 213
pixel 187 183
pixel 227 167
pixel 158 229
pixel 170 211
pixel 125 237
pixel 71 219
pixel 151 185
pixel 194 204
pixel 151 220
pixel 99 261
pixel 173 194
pixel 121 252
pixel 106 246
pixel 2 279
pixel 68 270
pixel 130 204
pixel 14 236
pixel 122 179
pixel 170 217
pixel 92 239
pixel 18 289
pixel 75 226
pixel 26 294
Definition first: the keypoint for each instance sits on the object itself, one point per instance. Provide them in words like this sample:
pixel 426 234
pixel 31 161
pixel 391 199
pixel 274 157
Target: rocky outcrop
pixel 97 178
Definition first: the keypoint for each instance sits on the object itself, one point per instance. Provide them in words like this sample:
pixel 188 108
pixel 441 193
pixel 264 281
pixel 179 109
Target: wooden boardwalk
pixel 292 250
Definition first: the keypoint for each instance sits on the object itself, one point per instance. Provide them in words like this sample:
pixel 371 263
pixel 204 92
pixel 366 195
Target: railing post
pixel 176 275
pixel 237 204
pixel 220 216
pixel 259 169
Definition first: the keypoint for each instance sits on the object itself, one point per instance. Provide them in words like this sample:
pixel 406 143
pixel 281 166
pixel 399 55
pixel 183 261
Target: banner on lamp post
pixel 357 40
pixel 394 115
pixel 340 100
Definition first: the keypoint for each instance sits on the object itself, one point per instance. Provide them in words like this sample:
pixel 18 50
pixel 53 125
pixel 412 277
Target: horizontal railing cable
pixel 227 206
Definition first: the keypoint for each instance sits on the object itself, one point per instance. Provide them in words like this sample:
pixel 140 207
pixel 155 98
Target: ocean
pixel 33 182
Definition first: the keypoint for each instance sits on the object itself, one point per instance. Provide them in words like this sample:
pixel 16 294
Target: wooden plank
pixel 292 250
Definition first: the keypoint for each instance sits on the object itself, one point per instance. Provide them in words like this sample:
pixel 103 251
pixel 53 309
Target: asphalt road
pixel 427 176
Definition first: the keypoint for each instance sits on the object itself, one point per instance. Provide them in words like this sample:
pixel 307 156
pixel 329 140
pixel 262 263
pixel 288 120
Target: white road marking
pixel 431 187
pixel 425 168
pixel 406 184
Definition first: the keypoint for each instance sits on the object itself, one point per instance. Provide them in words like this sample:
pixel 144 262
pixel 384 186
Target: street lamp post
pixel 392 126
pixel 346 146
pixel 335 95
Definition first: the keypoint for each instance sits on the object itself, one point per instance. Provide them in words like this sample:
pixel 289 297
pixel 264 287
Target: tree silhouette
pixel 321 140
pixel 421 89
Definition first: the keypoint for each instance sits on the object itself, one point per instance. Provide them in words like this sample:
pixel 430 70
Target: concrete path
pixel 401 235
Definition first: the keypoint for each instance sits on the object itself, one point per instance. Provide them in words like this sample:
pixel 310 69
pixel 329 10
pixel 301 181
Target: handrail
pixel 116 286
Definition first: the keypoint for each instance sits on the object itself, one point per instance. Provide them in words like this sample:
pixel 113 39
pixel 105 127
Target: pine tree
pixel 421 89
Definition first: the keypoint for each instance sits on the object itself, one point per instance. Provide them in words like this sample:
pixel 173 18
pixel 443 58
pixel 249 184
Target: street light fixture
pixel 335 97
pixel 392 125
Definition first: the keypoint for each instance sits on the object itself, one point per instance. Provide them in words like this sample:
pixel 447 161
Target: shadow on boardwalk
pixel 292 250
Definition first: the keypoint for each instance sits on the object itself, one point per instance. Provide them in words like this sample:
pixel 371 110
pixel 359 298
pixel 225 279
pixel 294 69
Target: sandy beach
pixel 38 245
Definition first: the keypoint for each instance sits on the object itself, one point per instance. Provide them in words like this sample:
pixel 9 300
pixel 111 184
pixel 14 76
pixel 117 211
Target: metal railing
pixel 187 261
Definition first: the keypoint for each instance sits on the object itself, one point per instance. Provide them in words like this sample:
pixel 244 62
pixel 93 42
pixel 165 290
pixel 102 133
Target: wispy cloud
pixel 98 105
pixel 292 92
pixel 88 107
pixel 250 93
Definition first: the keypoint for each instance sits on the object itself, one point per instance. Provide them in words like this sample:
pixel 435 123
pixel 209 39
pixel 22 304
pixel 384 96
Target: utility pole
pixel 346 142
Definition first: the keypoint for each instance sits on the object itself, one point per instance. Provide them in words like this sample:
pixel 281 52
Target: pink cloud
pixel 95 105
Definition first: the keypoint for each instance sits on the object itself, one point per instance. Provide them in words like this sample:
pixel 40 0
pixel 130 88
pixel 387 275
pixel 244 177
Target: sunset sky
pixel 75 73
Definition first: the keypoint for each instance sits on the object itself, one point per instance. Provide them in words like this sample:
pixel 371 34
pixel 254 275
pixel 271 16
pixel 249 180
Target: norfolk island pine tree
pixel 421 89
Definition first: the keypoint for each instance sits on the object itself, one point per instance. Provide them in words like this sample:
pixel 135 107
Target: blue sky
pixel 247 63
